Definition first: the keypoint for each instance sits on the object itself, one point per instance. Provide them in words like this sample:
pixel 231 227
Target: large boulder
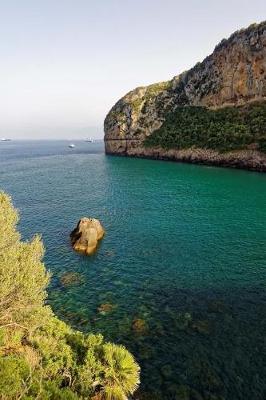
pixel 84 238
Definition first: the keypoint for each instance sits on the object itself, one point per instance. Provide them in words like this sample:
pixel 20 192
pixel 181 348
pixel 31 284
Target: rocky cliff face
pixel 234 74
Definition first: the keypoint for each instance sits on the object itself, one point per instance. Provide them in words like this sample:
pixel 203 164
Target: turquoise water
pixel 182 263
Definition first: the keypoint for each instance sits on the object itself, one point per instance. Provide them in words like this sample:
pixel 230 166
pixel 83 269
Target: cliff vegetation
pixel 225 129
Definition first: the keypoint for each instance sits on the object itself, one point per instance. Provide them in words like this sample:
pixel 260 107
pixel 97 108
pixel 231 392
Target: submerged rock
pixel 106 308
pixel 71 278
pixel 183 321
pixel 216 306
pixel 140 326
pixel 85 237
pixel 166 371
pixel 201 327
pixel 182 393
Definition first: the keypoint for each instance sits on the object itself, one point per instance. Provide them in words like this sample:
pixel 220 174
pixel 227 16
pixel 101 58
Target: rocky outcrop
pixel 252 160
pixel 234 74
pixel 85 237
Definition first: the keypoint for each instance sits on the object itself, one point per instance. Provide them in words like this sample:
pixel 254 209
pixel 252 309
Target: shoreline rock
pixel 251 160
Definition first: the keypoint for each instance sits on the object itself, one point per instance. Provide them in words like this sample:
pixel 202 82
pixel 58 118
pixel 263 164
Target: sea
pixel 180 276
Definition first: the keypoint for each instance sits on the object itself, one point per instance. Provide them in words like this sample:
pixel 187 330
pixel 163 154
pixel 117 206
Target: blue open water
pixel 183 262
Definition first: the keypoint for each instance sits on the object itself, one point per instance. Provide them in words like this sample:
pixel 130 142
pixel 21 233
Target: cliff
pixel 181 119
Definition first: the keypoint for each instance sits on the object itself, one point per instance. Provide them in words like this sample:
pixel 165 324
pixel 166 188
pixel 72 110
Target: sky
pixel 64 63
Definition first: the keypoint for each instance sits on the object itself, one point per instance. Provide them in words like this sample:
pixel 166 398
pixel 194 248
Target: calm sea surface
pixel 182 267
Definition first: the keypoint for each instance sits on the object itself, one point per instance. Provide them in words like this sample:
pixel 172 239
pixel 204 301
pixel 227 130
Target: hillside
pixel 215 113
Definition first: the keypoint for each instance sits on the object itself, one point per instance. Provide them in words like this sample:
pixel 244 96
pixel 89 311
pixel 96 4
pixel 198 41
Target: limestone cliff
pixel 233 75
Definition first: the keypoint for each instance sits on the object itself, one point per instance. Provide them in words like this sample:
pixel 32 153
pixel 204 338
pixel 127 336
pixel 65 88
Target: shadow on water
pixel 191 345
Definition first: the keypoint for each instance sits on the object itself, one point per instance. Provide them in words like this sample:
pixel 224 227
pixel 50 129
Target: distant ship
pixel 71 145
pixel 5 140
pixel 90 140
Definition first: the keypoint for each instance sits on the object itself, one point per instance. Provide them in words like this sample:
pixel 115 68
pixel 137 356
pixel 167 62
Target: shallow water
pixel 182 262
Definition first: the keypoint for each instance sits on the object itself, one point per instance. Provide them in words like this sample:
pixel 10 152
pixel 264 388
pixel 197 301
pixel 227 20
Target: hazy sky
pixel 64 63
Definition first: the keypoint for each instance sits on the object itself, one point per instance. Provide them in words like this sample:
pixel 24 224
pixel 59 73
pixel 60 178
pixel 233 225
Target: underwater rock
pixel 158 329
pixel 140 326
pixel 71 278
pixel 210 381
pixel 166 371
pixel 105 308
pixel 201 327
pixel 84 238
pixel 183 320
pixel 195 395
pixel 144 311
pixel 216 306
pixel 182 393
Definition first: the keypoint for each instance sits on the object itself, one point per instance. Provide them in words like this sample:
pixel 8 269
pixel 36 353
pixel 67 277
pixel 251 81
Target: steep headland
pixel 215 113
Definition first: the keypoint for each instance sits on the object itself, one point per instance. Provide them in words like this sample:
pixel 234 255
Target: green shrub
pixel 14 372
pixel 224 129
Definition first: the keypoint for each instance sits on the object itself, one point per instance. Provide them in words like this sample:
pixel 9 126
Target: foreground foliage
pixel 40 356
pixel 224 129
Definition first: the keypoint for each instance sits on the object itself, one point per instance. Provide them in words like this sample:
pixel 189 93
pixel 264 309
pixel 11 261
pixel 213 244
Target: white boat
pixel 5 140
pixel 71 146
pixel 89 140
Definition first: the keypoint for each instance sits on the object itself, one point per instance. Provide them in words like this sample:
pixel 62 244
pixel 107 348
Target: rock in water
pixel 85 237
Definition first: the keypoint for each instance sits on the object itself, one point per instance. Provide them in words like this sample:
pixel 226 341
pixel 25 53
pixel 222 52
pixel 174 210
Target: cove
pixel 184 253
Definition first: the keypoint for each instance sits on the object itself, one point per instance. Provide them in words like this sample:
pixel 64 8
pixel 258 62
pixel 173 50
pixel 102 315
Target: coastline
pixel 248 159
